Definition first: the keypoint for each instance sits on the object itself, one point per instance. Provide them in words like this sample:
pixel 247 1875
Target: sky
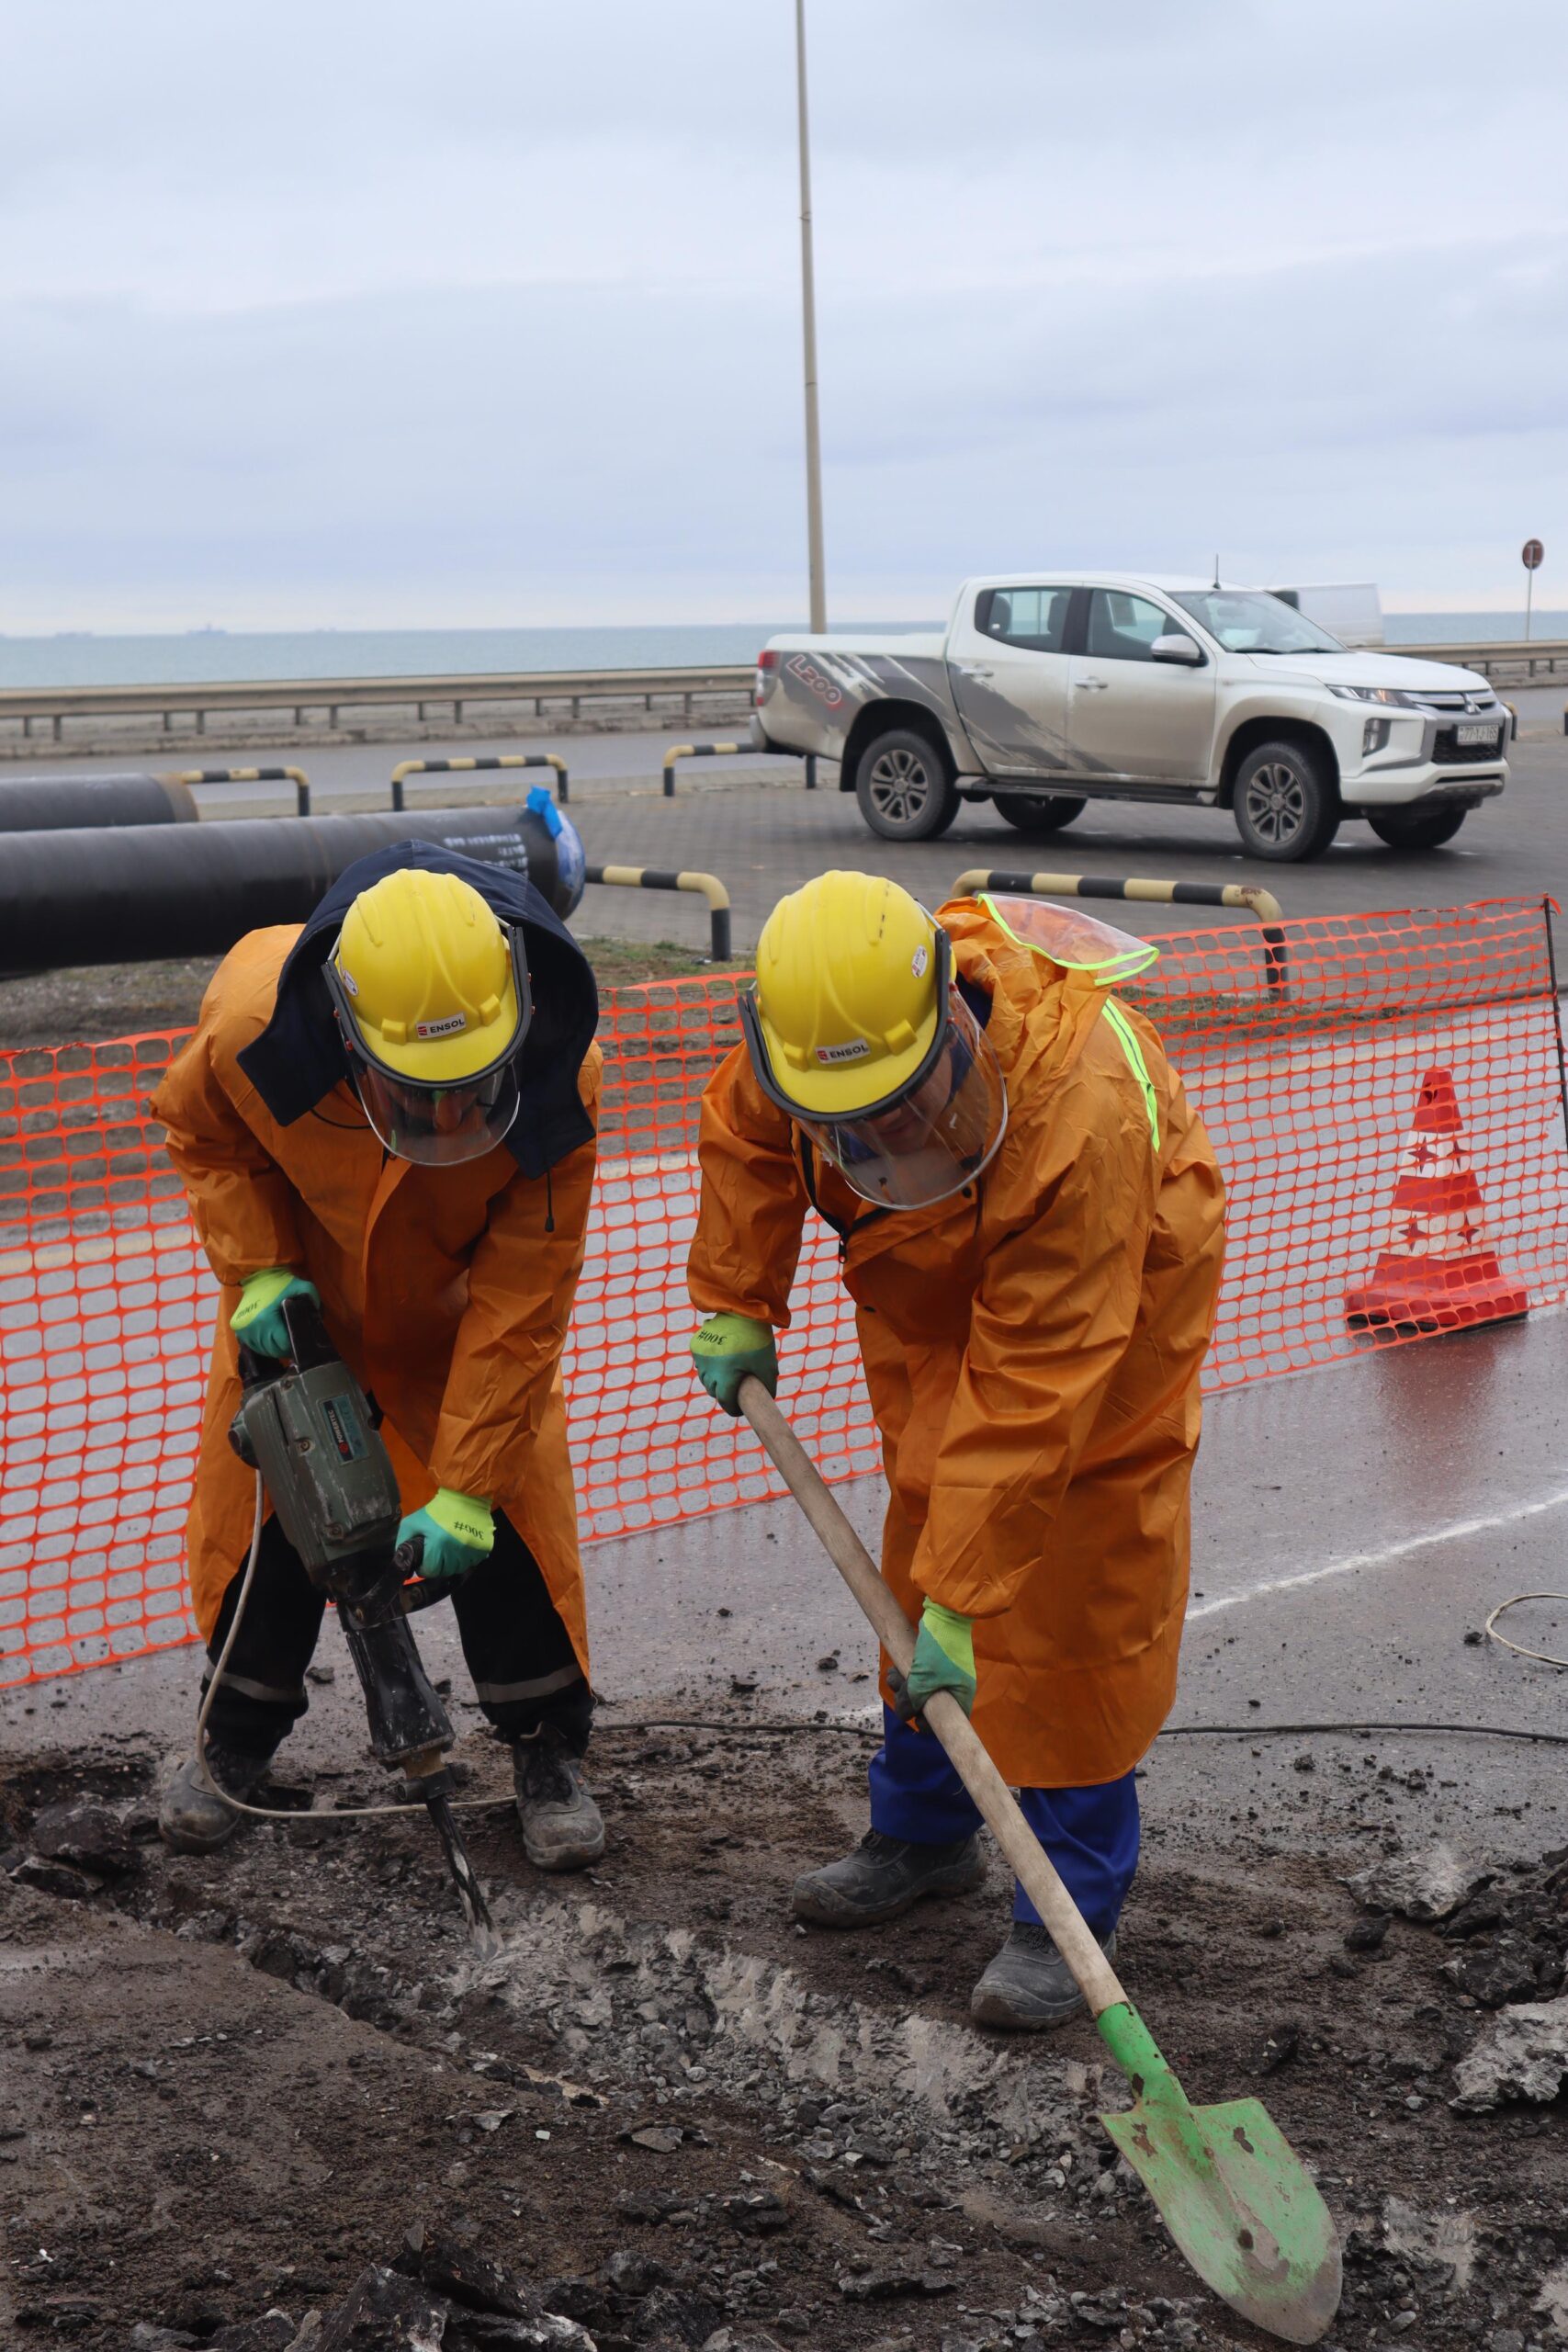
pixel 488 312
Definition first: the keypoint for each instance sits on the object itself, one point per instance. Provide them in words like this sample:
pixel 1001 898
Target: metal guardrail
pixel 1248 896
pixel 52 705
pixel 55 705
pixel 464 767
pixel 652 877
pixel 1547 653
pixel 296 777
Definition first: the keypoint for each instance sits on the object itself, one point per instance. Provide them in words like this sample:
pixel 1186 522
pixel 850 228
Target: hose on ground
pixel 776 1730
pixel 1544 1657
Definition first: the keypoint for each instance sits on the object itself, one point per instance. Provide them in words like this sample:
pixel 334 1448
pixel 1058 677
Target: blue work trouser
pixel 1090 1835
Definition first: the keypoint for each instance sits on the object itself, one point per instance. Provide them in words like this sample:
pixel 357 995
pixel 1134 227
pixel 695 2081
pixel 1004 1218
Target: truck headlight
pixel 1397 695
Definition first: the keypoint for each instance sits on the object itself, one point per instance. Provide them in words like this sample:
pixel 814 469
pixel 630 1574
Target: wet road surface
pixel 1352 1528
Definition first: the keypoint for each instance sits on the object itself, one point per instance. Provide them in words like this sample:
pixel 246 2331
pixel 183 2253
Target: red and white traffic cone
pixel 1438 1273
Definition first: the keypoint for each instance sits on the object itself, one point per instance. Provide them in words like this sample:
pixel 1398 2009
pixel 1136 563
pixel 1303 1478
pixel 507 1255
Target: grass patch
pixel 621 963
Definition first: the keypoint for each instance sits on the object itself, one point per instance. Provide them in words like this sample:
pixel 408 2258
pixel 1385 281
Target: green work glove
pixel 455 1531
pixel 943 1660
pixel 726 1349
pixel 256 1319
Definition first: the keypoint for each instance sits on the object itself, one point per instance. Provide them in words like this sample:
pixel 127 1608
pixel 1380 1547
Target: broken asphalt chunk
pixel 88 1835
pixel 663 2139
pixel 888 2286
pixel 463 2276
pixel 1425 1886
pixel 1495 1972
pixel 1524 2055
pixel 386 2312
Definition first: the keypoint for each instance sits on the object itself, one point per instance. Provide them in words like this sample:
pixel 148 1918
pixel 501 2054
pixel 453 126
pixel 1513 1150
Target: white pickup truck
pixel 1049 690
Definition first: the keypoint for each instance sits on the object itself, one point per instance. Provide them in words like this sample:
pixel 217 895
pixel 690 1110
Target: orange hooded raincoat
pixel 1032 1348
pixel 443 1287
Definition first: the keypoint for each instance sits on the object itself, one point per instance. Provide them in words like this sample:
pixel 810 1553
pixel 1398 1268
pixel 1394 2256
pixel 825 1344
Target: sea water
pixel 213 655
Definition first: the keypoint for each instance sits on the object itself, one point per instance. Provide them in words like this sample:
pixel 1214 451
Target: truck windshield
pixel 1247 621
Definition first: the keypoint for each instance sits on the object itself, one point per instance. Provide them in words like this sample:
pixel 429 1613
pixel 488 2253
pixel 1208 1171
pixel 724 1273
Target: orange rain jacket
pixel 442 1286
pixel 1031 1346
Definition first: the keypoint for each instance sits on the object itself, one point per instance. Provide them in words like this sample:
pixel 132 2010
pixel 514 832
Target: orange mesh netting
pixel 1384 1093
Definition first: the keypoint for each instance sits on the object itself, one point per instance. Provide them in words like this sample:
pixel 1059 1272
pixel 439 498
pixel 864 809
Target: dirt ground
pixel 233 2082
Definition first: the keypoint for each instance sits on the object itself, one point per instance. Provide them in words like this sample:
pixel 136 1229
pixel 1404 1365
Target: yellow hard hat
pixel 851 983
pixel 429 980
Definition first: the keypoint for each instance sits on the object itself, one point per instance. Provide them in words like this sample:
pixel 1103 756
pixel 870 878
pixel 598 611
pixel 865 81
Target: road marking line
pixel 1454 1532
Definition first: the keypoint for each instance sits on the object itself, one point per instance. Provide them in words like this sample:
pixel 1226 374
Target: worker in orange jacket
pixel 1030 1221
pixel 391 1109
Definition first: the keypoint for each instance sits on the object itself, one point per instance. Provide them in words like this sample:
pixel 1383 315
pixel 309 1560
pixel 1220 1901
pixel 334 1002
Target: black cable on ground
pixel 1172 1731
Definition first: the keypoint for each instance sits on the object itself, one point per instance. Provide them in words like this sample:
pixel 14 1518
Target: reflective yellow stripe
pixel 1136 1063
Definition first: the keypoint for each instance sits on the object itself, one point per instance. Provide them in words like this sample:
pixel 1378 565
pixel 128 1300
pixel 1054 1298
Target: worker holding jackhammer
pixel 391 1109
pixel 1030 1222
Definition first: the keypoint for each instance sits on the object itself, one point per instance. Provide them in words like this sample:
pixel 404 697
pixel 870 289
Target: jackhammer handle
pixel 942 1713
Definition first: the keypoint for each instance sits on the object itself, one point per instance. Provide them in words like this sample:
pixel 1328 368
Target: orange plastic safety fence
pixel 1384 1093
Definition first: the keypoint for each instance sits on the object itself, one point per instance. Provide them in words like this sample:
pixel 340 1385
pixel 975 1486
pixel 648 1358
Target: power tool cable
pixel 278 1813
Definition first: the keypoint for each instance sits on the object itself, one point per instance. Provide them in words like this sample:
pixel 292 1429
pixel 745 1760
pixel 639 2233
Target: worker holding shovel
pixel 1030 1222
pixel 391 1111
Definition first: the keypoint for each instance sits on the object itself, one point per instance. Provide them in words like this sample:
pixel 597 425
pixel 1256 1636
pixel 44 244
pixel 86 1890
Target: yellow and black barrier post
pixel 650 877
pixel 722 752
pixel 464 767
pixel 1247 896
pixel 296 777
pixel 698 751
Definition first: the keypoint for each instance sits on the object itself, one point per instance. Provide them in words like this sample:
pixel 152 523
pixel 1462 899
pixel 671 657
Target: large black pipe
pixel 125 897
pixel 35 804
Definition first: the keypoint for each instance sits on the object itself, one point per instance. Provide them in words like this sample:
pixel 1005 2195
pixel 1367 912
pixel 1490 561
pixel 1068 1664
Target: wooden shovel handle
pixel 942 1713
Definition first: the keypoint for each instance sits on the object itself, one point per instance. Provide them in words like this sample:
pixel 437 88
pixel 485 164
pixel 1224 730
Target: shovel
pixel 1230 2190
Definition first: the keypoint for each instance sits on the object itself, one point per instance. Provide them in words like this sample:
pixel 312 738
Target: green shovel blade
pixel 1230 2190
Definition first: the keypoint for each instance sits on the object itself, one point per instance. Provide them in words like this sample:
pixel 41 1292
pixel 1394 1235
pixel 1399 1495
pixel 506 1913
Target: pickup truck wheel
pixel 904 791
pixel 1286 805
pixel 1038 812
pixel 1416 828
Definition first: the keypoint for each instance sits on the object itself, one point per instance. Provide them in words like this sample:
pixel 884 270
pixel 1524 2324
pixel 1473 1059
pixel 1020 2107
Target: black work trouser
pixel 526 1677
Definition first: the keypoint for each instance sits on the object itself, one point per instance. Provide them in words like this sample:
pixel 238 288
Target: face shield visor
pixel 929 1139
pixel 437 1124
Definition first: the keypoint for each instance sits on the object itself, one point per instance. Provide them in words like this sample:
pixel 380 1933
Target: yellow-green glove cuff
pixel 468 1518
pixel 952 1635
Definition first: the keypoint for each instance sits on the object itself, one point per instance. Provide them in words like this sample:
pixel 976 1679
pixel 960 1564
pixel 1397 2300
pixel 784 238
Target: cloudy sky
pixel 317 313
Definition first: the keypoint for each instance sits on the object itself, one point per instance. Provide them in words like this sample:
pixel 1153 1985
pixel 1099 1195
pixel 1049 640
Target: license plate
pixel 1487 735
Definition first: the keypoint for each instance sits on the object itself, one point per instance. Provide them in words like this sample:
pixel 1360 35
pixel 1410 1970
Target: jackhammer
pixel 309 1429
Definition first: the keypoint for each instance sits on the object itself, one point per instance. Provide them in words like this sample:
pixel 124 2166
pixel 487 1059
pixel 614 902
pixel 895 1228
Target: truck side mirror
pixel 1177 648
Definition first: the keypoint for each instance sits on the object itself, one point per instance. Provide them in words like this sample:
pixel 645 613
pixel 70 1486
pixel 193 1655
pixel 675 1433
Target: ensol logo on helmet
pixel 854 1050
pixel 441 1028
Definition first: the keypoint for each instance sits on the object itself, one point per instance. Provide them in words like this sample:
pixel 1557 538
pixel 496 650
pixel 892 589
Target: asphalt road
pixel 752 823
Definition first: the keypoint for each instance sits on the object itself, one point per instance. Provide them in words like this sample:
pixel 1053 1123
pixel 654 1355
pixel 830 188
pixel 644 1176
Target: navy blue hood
pixel 298 1057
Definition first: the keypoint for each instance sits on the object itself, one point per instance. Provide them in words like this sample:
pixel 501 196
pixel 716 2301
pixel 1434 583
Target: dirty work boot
pixel 191 1819
pixel 562 1827
pixel 883 1878
pixel 1027 1987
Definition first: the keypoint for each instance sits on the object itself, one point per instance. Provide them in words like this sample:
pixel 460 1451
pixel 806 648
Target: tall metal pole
pixel 809 328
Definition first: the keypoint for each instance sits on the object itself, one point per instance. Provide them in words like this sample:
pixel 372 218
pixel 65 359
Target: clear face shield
pixel 437 1126
pixel 936 1136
